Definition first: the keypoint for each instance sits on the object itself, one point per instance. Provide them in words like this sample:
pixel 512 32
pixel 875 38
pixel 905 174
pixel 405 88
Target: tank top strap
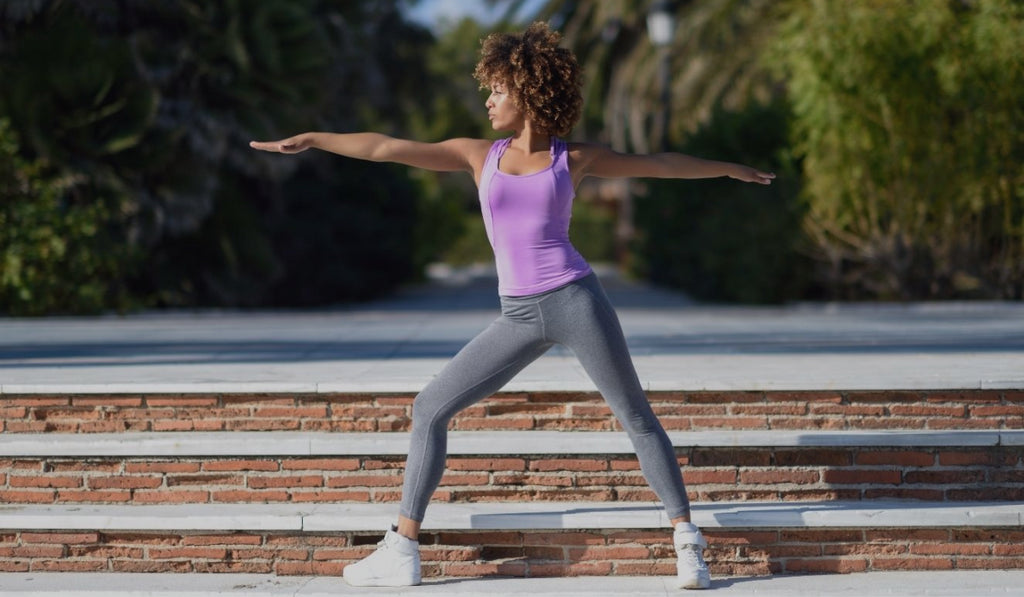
pixel 559 154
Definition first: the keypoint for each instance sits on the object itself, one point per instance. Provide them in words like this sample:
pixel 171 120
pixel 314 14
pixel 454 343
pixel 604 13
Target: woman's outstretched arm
pixel 453 155
pixel 603 162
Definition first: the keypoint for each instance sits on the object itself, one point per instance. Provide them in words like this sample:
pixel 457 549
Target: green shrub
pixel 721 239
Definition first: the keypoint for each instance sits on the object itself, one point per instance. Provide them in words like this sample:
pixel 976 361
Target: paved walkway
pixel 955 583
pixel 400 343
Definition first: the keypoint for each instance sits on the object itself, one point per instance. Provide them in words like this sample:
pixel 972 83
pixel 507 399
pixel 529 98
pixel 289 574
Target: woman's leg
pixel 480 369
pixel 584 321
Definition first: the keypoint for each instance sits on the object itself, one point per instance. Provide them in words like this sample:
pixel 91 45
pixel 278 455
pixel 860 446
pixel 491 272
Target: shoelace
pixel 690 554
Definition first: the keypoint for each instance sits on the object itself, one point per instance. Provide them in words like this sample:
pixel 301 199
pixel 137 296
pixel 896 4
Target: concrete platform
pixel 510 516
pixel 399 344
pixel 956 583
pixel 310 443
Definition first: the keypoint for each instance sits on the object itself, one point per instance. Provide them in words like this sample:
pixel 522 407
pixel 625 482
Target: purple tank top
pixel 527 221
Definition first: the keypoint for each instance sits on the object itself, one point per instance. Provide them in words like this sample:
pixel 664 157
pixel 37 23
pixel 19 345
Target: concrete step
pixel 958 583
pixel 510 516
pixel 491 443
pixel 513 539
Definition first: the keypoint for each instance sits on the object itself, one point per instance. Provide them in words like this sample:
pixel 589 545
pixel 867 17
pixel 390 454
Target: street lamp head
pixel 661 23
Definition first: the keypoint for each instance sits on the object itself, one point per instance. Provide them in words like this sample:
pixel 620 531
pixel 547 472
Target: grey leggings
pixel 577 316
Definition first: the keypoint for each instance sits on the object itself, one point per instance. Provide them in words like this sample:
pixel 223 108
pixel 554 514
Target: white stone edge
pixel 509 516
pixel 312 443
pixel 413 386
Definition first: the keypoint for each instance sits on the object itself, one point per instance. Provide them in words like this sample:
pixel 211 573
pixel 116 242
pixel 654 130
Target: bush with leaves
pixel 57 252
pixel 721 240
pixel 909 118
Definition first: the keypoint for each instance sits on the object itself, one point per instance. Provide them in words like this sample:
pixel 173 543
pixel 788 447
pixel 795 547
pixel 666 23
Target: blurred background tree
pixel 127 181
pixel 908 116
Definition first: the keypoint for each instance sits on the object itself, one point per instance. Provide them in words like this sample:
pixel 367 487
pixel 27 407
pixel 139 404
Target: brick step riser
pixel 579 411
pixel 519 554
pixel 712 474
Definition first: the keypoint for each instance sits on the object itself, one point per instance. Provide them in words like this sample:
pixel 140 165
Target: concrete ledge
pixel 509 516
pixel 283 443
pixel 955 583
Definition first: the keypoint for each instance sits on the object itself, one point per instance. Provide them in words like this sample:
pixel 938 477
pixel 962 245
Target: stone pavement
pixel 398 344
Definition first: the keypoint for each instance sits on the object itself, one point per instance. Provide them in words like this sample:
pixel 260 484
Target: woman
pixel 548 292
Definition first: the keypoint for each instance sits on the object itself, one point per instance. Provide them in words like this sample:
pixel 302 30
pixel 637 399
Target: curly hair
pixel 543 80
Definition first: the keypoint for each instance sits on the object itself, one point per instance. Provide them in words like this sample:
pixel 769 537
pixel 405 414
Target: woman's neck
pixel 530 141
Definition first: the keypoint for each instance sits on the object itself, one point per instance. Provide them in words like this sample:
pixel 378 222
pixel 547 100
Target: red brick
pixel 150 567
pixel 779 476
pixel 574 569
pixel 210 553
pixel 296 412
pixel 730 422
pixel 985 458
pixel 45 481
pixel 27 497
pixel 249 496
pixel 989 563
pixel 896 458
pixel 905 563
pixel 929 549
pixel 38 551
pixel 884 396
pixel 841 566
pixel 172 497
pixel 62 538
pixel 820 536
pixel 179 401
pixel 9 566
pixel 465 479
pixel 94 496
pixel 701 476
pixel 234 567
pixel 204 480
pixel 125 482
pixel 609 552
pixel 63 565
pixel 484 423
pixel 232 539
pixel 933 477
pixel 563 538
pixel 161 467
pixel 466 569
pixel 911 535
pixel 324 464
pixel 1009 410
pixel 293 481
pixel 242 465
pixel 486 464
pixel 568 464
pixel 813 457
pixel 928 410
pixel 481 538
pixel 332 496
pixel 382 480
pixel 860 476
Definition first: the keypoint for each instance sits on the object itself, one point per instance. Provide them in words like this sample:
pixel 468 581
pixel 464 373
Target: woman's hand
pixel 294 144
pixel 748 174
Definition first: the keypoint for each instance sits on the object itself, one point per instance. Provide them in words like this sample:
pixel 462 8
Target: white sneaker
pixel 396 563
pixel 690 544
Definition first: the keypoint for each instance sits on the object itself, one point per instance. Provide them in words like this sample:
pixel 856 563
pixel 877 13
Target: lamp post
pixel 661 29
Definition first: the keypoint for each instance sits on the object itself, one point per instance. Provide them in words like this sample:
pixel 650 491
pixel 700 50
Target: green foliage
pixel 57 254
pixel 908 115
pixel 720 239
pixel 141 113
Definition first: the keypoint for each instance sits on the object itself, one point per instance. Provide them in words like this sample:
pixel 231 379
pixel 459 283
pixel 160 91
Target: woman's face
pixel 501 110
